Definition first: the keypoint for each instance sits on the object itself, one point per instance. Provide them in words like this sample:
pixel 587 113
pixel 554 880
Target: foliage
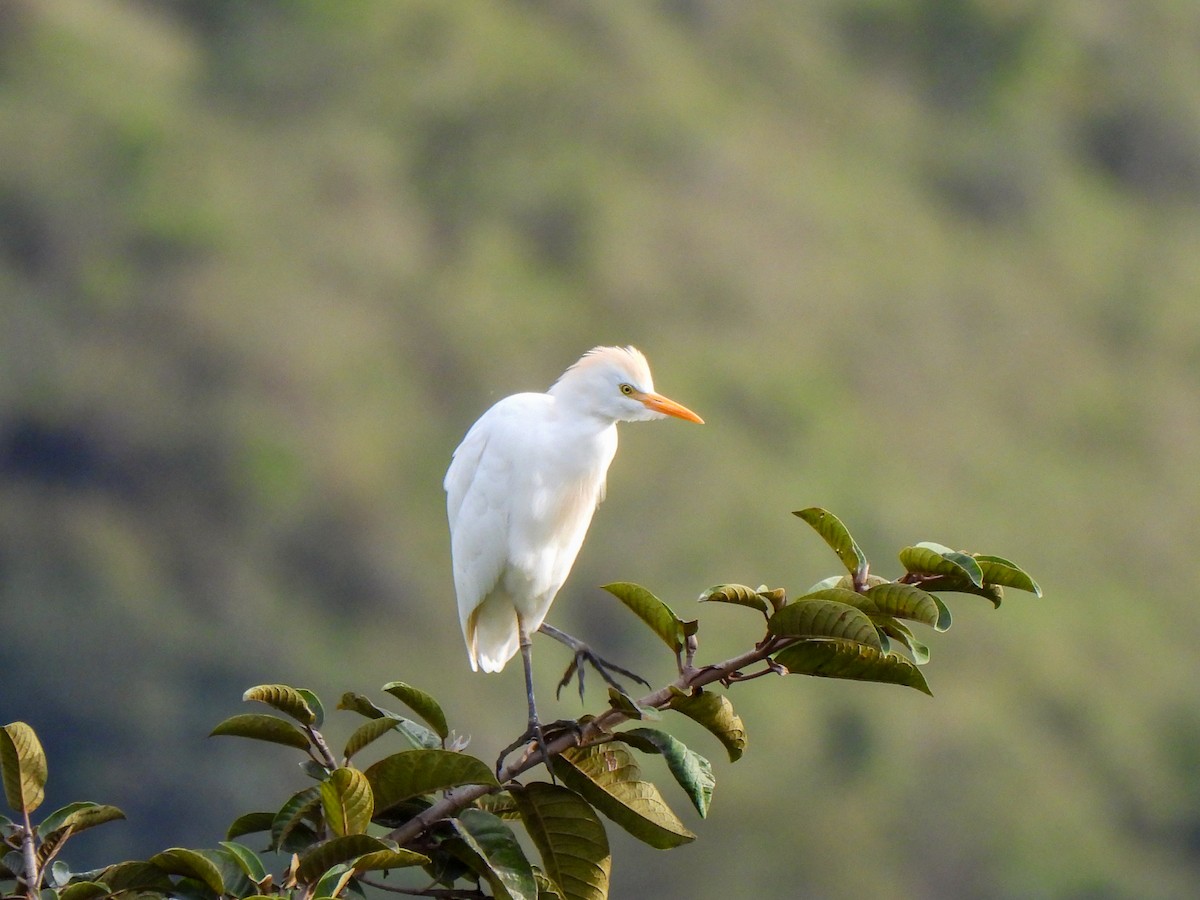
pixel 261 261
pixel 433 807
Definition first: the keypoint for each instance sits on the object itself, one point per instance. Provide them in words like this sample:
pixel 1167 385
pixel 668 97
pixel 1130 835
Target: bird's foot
pixel 585 655
pixel 540 735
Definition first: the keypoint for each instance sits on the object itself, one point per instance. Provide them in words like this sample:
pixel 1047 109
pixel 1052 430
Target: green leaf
pixel 897 630
pixel 837 536
pixel 314 704
pixel 737 594
pixel 1000 571
pixel 24 767
pixel 324 856
pixel 414 772
pixel 233 875
pixel 84 890
pixel 819 615
pixel 64 823
pixel 496 855
pixel 622 702
pixel 777 597
pixel 250 823
pixel 389 859
pixel 833 581
pixel 300 807
pixel 135 875
pixel 416 734
pixel 962 585
pixel 691 770
pixel 547 889
pixel 52 845
pixel 828 658
pixel 906 601
pixel 928 558
pixel 247 860
pixel 11 863
pixel 715 712
pixel 348 802
pixel 422 704
pixel 355 702
pixel 498 803
pixel 285 699
pixel 262 727
pixel 570 838
pixel 59 874
pixel 660 617
pixel 608 777
pixel 314 770
pixel 190 864
pixel 367 732
pixel 78 817
pixel 332 882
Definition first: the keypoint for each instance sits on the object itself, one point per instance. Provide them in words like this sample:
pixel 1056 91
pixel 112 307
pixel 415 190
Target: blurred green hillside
pixel 932 264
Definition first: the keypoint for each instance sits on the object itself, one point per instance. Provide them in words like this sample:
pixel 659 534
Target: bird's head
pixel 615 383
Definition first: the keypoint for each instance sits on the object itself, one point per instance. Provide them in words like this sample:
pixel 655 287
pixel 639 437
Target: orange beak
pixel 659 403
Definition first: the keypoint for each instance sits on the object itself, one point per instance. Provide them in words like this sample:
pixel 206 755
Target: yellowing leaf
pixel 285 699
pixel 24 767
pixel 570 838
pixel 609 778
pixel 715 712
pixel 347 801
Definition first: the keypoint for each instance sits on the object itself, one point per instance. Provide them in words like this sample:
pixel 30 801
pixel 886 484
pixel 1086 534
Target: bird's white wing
pixel 480 484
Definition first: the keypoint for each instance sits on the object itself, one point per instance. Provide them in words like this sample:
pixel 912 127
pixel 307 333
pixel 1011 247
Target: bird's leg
pixel 534 730
pixel 585 654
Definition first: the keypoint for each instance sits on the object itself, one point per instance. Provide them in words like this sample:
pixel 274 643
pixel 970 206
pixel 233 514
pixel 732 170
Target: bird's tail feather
pixel 493 637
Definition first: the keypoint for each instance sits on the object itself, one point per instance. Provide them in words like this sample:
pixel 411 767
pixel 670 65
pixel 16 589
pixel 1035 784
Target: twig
pixel 593 731
pixel 33 878
pixel 318 741
pixel 771 668
pixel 444 893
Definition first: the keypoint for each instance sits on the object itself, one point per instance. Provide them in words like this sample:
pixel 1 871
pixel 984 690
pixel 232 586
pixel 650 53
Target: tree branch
pixel 33 878
pixel 593 731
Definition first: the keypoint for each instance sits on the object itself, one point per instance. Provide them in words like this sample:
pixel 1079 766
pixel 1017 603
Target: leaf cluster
pixel 30 852
pixel 431 812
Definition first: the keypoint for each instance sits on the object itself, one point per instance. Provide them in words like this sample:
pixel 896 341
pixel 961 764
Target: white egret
pixel 520 493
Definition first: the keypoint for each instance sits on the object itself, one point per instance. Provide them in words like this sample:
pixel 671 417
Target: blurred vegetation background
pixel 932 264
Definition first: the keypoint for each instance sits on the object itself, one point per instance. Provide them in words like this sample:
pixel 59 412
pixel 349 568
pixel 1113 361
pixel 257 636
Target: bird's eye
pixel 627 389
